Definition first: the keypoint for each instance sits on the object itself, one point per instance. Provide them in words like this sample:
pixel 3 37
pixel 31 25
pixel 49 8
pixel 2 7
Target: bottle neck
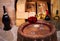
pixel 5 12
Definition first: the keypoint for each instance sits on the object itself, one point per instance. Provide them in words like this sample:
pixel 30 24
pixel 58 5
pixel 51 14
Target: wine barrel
pixel 39 31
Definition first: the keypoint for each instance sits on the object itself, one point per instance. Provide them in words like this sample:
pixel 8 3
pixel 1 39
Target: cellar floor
pixel 12 34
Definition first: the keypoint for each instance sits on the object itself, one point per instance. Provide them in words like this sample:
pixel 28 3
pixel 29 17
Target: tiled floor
pixel 12 34
pixel 9 35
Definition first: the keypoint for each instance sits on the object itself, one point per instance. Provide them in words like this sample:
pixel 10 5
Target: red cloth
pixel 32 19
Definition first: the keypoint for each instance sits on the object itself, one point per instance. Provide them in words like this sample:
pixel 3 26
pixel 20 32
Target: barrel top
pixel 22 32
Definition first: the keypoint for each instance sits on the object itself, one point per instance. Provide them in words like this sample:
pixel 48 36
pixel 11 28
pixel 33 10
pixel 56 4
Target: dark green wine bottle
pixel 6 20
pixel 47 18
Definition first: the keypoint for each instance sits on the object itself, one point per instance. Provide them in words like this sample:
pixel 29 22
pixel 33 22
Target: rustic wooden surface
pixel 13 32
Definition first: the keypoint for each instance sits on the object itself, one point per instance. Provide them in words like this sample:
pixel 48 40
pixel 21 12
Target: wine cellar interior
pixel 52 7
pixel 29 20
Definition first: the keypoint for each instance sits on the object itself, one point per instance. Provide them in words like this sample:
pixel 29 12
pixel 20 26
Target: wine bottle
pixel 6 20
pixel 56 17
pixel 47 18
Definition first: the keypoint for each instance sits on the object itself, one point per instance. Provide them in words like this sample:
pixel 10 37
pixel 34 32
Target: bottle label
pixel 5 14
